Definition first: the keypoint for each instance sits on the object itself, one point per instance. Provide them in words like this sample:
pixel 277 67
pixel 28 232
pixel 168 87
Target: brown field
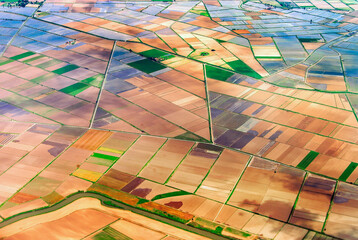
pixel 313 203
pixel 222 177
pixel 260 185
pixel 86 216
pixel 165 160
pixel 138 155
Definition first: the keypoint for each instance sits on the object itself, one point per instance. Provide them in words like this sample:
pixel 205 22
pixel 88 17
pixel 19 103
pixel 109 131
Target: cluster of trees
pixel 20 3
pixel 269 6
pixel 287 5
pixel 204 54
pixel 73 42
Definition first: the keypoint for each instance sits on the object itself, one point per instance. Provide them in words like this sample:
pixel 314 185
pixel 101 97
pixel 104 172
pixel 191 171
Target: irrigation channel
pixel 120 205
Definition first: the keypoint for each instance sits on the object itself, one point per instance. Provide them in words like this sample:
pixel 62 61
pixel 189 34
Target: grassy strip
pixel 65 69
pixel 22 55
pixel 111 204
pixel 170 194
pixel 236 232
pixel 33 59
pixel 75 89
pixel 6 62
pixel 105 156
pixel 218 229
pixel 306 161
pixel 349 170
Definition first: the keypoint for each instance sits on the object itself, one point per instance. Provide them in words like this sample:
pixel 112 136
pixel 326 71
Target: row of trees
pixel 20 3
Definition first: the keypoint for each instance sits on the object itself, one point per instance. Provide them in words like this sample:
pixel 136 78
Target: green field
pixel 217 73
pixel 147 66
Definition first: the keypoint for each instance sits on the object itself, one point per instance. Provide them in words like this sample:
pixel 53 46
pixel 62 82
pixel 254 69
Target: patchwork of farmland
pixel 181 119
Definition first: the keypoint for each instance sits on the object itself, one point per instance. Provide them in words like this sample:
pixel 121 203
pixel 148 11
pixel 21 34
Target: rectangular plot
pixel 94 80
pixel 22 55
pixel 49 63
pixel 65 69
pixel 6 138
pixel 291 232
pixel 307 160
pixel 222 177
pixel 92 140
pixel 33 59
pixel 118 143
pixel 194 167
pixel 116 179
pixel 5 61
pixel 147 66
pixel 268 188
pixel 343 216
pixel 166 160
pixel 290 48
pixel 184 81
pixel 99 161
pixel 105 156
pixel 349 170
pixel 313 202
pixel 139 154
pixel 243 68
pixel 75 88
pixel 87 174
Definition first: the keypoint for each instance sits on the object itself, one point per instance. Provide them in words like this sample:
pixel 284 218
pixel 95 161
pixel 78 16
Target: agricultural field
pixel 181 119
